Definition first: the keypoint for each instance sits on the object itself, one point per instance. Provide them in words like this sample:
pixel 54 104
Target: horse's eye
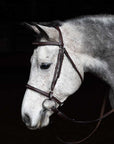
pixel 45 65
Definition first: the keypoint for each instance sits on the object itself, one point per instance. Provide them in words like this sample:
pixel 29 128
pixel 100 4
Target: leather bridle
pixel 50 96
pixel 62 52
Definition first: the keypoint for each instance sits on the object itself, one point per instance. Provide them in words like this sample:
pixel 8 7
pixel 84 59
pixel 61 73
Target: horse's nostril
pixel 27 120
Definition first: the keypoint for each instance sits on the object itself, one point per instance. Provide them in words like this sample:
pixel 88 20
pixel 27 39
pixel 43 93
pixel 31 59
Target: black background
pixel 15 52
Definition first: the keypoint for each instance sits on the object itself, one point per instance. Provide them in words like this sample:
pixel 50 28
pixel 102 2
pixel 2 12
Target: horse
pixel 86 44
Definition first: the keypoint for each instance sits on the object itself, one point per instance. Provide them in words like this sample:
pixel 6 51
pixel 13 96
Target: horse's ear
pixel 44 30
pixel 49 29
pixel 36 30
pixel 30 27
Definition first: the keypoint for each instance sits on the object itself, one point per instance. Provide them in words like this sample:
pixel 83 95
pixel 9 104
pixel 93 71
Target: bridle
pixel 57 72
pixel 58 66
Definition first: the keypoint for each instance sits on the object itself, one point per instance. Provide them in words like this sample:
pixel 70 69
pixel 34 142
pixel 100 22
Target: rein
pixel 50 96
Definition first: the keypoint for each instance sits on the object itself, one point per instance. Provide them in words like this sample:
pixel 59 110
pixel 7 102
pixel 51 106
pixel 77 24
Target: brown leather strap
pixel 43 93
pixel 37 90
pixel 64 116
pixel 51 43
pixel 93 131
pixel 74 66
pixel 57 68
pixel 60 37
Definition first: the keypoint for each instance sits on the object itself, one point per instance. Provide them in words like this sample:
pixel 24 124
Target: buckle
pixel 50 94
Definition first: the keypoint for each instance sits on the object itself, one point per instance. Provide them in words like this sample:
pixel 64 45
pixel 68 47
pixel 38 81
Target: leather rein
pixel 50 96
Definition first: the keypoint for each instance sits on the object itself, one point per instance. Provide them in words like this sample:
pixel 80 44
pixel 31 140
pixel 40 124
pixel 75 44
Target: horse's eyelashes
pixel 45 65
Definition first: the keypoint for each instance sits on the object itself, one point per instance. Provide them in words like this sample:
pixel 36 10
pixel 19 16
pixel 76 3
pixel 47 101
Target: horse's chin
pixel 38 127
